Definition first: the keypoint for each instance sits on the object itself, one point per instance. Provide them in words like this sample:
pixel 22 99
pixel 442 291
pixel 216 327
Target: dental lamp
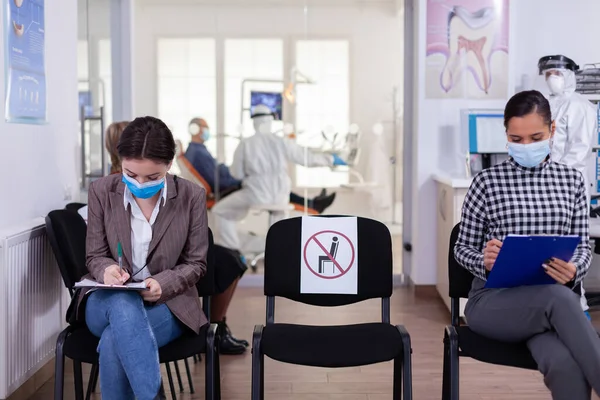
pixel 290 91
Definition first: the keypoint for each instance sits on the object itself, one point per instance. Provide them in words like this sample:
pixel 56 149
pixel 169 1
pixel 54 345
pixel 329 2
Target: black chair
pixel 209 290
pixel 330 346
pixel 66 231
pixel 460 341
pixel 74 206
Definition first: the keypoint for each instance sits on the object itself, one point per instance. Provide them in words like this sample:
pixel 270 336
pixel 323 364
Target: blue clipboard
pixel 520 260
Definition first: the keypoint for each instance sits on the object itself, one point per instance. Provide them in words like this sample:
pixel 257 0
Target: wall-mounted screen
pixel 272 100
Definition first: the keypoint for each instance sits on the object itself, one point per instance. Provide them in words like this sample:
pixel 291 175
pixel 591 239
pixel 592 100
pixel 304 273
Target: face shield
pixel 558 73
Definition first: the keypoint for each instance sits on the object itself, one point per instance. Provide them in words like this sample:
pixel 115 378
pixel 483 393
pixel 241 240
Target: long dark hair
pixel 147 138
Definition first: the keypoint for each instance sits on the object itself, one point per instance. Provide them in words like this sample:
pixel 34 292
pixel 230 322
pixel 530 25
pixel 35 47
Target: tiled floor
pixel 424 317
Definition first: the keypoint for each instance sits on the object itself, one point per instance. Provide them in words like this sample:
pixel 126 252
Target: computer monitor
pixel 273 100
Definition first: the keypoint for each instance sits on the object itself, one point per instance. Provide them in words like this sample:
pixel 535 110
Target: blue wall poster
pixel 25 43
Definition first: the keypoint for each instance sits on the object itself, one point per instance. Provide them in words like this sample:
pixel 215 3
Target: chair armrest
pixel 62 338
pixel 405 337
pixel 257 337
pixel 450 334
pixel 211 334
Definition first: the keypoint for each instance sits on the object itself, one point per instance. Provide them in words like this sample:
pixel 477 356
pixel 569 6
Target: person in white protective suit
pixel 576 120
pixel 261 162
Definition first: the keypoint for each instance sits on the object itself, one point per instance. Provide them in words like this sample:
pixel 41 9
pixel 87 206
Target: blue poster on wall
pixel 25 43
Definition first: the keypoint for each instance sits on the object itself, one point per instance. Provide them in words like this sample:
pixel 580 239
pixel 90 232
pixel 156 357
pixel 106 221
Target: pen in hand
pixel 120 255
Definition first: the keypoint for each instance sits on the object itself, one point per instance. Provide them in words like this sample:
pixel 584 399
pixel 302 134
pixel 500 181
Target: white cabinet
pixel 450 196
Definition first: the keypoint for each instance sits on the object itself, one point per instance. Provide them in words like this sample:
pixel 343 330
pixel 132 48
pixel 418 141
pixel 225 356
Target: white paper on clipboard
pixel 88 283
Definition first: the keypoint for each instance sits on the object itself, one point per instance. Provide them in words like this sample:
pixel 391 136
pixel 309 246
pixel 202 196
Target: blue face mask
pixel 205 134
pixel 529 155
pixel 143 190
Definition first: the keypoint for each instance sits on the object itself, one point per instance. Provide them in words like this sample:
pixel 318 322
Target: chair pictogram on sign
pixel 332 251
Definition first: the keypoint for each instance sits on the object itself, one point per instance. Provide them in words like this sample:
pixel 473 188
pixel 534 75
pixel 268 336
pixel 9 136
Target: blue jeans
pixel 130 334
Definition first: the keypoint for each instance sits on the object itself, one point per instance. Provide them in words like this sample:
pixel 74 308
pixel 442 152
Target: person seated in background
pixel 206 165
pixel 228 271
pixel 530 194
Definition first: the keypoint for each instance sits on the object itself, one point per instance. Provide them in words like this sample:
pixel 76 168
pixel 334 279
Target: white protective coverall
pixel 261 162
pixel 576 122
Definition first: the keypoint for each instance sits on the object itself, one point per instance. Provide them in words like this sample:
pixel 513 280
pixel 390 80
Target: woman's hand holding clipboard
pixel 561 271
pixel 490 253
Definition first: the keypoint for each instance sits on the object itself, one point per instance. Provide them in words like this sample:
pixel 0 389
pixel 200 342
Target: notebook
pixel 520 260
pixel 88 283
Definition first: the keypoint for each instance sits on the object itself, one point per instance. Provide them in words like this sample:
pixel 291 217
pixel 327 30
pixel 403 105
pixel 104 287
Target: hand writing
pixel 490 253
pixel 154 290
pixel 561 271
pixel 113 276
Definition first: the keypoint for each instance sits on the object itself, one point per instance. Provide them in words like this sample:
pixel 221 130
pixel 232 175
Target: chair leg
pixel 258 365
pixel 59 366
pixel 451 376
pixel 189 375
pixel 446 371
pixel 397 390
pixel 92 383
pixel 95 387
pixel 78 377
pixel 405 369
pixel 211 370
pixel 454 372
pixel 178 373
pixel 170 378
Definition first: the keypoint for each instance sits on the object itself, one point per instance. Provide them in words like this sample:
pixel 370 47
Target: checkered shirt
pixel 549 199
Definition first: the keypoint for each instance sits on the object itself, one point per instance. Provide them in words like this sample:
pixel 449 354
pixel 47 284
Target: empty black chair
pixel 460 341
pixel 330 346
pixel 66 231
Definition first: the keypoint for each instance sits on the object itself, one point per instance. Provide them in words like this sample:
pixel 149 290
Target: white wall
pixel 39 162
pixel 375 34
pixel 531 37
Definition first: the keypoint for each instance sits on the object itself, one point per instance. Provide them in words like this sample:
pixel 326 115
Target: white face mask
pixel 556 84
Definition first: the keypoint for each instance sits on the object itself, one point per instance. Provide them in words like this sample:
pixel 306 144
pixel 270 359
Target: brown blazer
pixel 177 252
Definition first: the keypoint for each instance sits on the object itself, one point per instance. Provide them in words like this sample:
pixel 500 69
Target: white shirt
pixel 141 233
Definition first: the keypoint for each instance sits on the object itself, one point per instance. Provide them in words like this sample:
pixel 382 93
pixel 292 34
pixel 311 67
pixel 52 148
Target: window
pixel 105 75
pixel 258 59
pixel 187 86
pixel 323 104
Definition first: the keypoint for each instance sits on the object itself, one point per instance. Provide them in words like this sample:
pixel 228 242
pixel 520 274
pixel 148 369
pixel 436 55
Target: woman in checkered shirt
pixel 529 194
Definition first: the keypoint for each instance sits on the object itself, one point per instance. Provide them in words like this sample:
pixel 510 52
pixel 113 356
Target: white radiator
pixel 32 306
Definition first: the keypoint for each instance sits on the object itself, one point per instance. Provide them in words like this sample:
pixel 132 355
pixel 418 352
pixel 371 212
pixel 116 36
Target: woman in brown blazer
pixel 160 222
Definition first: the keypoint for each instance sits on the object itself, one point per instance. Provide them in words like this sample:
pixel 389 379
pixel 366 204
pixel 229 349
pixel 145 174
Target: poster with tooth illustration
pixel 467 49
pixel 25 69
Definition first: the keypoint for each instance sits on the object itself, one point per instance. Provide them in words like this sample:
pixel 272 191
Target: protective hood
pixel 570 82
pixel 263 124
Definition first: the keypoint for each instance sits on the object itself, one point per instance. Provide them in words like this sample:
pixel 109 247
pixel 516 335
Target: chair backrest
pixel 459 279
pixel 74 206
pixel 67 232
pixel 283 255
pixel 206 285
